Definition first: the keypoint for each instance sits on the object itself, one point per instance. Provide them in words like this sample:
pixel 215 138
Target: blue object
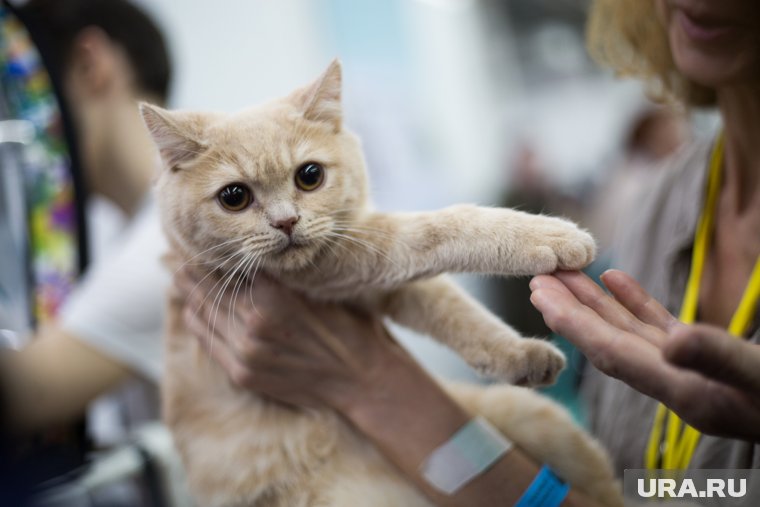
pixel 546 490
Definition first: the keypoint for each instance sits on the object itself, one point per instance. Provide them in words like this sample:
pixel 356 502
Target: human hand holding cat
pixel 278 344
pixel 708 377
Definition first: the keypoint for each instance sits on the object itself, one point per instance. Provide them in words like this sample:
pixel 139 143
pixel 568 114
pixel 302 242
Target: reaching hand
pixel 708 377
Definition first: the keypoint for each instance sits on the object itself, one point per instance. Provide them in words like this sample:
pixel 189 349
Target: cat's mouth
pixel 292 244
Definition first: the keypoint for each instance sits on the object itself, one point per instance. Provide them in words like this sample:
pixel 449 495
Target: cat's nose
pixel 285 224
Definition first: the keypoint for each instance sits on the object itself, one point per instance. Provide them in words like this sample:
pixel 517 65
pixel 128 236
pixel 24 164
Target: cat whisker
pixel 211 348
pixel 319 221
pixel 381 233
pixel 334 242
pixel 232 313
pixel 211 272
pixel 247 279
pixel 216 304
pixel 219 263
pixel 348 227
pixel 329 245
pixel 251 278
pixel 319 230
pixel 220 267
pixel 314 265
pixel 243 263
pixel 247 241
pixel 369 246
pixel 254 245
pixel 340 244
pixel 220 245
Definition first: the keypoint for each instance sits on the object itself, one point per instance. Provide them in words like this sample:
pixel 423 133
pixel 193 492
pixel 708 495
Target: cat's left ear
pixel 177 134
pixel 320 101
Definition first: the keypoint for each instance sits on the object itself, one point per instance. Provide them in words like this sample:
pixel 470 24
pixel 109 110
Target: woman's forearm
pixel 52 380
pixel 409 415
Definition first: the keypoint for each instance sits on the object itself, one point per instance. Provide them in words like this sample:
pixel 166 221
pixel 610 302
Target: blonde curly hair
pixel 629 36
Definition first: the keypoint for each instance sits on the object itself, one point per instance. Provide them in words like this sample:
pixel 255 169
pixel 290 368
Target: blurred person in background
pixel 700 53
pixel 692 243
pixel 107 55
pixel 530 190
pixel 654 135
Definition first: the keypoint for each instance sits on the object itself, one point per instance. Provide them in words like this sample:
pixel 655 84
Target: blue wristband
pixel 546 490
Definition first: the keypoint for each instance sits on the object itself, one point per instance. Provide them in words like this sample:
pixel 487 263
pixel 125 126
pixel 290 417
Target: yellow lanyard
pixel 680 442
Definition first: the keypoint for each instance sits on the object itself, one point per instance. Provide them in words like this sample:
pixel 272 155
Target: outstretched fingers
pixel 638 301
pixel 607 307
pixel 616 352
pixel 709 378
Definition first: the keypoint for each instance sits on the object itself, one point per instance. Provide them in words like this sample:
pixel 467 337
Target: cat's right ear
pixel 320 101
pixel 176 134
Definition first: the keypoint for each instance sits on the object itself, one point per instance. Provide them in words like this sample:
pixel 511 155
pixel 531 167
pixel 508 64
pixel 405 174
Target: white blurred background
pixel 440 90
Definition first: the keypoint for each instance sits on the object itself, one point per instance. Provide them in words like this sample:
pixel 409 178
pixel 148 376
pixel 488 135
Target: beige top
pixel 655 248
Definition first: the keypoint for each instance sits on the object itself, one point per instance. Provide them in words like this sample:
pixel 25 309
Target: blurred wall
pixel 233 53
pixel 423 64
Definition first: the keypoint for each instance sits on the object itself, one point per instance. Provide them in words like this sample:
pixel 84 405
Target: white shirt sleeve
pixel 118 307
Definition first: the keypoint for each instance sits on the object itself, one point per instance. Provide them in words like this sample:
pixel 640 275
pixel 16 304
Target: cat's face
pixel 266 188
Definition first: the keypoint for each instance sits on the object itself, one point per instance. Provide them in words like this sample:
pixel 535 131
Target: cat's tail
pixel 547 433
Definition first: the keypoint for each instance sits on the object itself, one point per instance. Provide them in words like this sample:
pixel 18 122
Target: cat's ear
pixel 176 134
pixel 320 101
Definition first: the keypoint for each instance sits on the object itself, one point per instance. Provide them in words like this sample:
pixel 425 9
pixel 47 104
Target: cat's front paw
pixel 558 244
pixel 529 362
pixel 543 364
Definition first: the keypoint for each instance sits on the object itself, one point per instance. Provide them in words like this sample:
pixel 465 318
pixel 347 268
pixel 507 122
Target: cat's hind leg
pixel 439 308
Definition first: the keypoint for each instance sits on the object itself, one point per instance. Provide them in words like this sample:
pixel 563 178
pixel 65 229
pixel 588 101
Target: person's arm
pixel 708 377
pixel 53 379
pixel 407 415
pixel 310 354
pixel 108 329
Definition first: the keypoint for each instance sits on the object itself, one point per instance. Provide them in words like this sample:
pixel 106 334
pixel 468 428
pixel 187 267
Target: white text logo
pixel 669 488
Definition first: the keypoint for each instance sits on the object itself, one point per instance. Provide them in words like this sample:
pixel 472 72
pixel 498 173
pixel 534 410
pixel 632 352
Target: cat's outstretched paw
pixel 558 244
pixel 531 363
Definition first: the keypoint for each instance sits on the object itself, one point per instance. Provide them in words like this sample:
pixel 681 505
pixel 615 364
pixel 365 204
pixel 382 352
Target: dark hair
pixel 60 21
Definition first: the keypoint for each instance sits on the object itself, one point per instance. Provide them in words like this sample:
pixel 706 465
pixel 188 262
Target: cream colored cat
pixel 282 188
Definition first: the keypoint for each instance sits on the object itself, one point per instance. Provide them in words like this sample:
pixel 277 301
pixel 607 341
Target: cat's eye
pixel 235 197
pixel 310 176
